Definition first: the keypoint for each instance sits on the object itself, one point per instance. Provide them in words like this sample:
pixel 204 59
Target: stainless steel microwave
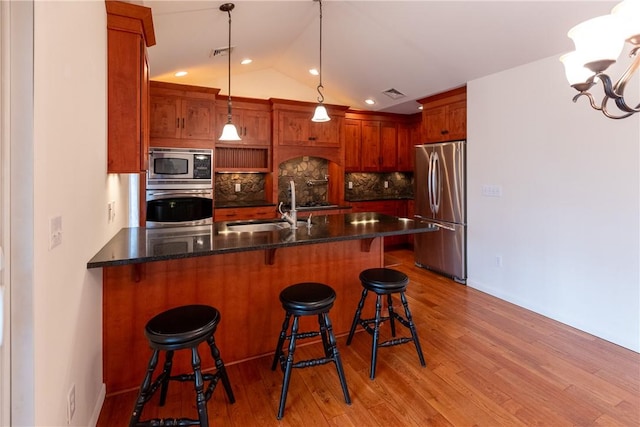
pixel 180 168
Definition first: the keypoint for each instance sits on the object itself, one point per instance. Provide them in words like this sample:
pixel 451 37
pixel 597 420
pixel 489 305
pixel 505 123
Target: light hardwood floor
pixel 489 363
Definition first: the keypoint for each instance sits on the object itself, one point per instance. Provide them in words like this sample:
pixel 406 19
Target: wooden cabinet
pixel 371 142
pixel 252 119
pixel 182 115
pixel 129 32
pixel 352 145
pixel 296 128
pixel 409 135
pixel 444 116
pixel 257 212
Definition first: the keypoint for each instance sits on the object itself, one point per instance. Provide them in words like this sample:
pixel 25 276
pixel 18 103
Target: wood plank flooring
pixel 489 363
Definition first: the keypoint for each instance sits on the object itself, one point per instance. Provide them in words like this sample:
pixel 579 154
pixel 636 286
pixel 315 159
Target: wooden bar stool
pixel 307 299
pixel 176 329
pixel 385 281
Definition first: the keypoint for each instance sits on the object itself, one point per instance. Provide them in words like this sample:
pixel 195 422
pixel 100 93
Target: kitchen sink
pixel 253 227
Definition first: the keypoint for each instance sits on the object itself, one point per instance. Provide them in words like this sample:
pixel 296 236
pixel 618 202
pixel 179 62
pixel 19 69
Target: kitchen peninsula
pixel 146 271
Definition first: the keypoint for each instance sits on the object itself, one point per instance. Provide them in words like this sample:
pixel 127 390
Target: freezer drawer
pixel 443 251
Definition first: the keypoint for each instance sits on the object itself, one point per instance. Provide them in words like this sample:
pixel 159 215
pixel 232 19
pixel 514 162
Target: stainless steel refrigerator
pixel 440 198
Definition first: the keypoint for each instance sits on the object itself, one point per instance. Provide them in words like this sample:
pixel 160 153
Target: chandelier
pixel 320 115
pixel 599 42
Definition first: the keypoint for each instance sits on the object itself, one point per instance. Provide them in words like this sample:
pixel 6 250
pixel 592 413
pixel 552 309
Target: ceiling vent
pixel 221 51
pixel 394 93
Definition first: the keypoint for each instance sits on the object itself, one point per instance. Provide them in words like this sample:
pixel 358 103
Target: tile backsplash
pixel 251 187
pixel 311 178
pixel 369 186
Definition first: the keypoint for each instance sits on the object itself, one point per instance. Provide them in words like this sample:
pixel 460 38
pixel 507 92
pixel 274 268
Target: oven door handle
pixel 180 193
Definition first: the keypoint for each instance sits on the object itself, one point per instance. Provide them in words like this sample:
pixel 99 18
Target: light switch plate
pixel 237 187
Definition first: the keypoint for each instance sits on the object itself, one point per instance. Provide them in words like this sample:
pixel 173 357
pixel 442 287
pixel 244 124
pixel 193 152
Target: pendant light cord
pixel 229 72
pixel 321 97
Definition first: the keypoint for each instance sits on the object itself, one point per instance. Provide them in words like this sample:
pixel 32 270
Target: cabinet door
pixel 404 148
pixel 352 145
pixel 325 134
pixel 435 124
pixel 388 146
pixel 457 116
pixel 197 119
pixel 370 145
pixel 165 116
pixel 294 128
pixel 256 127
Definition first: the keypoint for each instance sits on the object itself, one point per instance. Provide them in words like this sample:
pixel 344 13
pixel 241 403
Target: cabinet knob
pixel 312 138
pixel 444 132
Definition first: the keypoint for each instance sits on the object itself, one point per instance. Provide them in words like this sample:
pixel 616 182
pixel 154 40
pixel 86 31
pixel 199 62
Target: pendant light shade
pixel 320 114
pixel 229 132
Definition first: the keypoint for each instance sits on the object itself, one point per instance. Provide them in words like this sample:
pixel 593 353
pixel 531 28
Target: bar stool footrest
pixel 311 362
pixel 395 341
pixel 168 422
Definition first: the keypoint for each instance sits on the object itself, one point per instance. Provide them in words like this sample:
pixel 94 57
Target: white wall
pixel 61 337
pixel 567 224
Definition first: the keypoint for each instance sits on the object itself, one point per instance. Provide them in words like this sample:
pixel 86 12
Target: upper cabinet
pixel 294 126
pixel 444 116
pixel 252 118
pixel 129 33
pixel 409 135
pixel 182 115
pixel 379 146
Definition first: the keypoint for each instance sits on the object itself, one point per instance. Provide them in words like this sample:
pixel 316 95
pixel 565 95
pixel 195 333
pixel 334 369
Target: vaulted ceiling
pixel 418 48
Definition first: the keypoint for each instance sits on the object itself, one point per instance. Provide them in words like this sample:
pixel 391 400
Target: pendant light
pixel 229 131
pixel 320 115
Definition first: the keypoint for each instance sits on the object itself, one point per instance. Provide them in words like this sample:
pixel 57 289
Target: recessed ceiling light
pixel 181 74
pixel 246 61
pixel 369 101
pixel 313 71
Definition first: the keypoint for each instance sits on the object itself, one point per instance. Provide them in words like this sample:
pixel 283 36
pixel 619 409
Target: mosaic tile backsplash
pixel 370 186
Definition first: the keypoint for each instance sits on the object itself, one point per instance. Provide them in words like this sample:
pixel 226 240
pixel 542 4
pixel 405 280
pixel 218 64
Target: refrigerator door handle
pixel 430 186
pixel 436 183
pixel 434 224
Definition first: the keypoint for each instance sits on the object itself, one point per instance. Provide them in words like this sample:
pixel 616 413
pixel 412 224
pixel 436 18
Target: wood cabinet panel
pixel 352 145
pixel 254 126
pixel 129 32
pixel 257 212
pixel 182 118
pixel 444 116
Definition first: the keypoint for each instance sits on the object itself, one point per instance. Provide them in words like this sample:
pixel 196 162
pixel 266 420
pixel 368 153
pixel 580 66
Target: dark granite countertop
pixel 378 199
pixel 139 244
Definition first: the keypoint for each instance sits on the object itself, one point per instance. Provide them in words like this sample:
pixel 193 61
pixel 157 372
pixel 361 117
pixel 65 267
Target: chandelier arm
pixel 320 95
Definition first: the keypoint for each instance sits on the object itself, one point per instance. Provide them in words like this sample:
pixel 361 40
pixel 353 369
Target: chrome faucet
pixel 292 216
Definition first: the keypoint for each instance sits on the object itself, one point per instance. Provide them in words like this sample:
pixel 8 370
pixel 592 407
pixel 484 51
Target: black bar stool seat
pixel 306 299
pixel 181 328
pixel 385 281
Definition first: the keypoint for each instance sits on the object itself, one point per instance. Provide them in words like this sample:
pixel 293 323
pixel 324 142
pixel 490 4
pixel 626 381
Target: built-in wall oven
pixel 179 187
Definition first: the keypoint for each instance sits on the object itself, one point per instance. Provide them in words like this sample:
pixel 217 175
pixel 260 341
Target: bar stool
pixel 385 281
pixel 307 299
pixel 177 329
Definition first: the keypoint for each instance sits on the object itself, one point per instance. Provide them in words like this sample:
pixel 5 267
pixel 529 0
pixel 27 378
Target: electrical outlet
pixel 350 185
pixel 498 260
pixel 386 184
pixel 55 231
pixel 237 187
pixel 71 403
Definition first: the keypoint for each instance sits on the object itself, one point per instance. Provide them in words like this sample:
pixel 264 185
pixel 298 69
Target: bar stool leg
pixel 144 389
pixel 281 338
pixel 335 355
pixel 326 346
pixel 392 320
pixel 166 373
pixel 288 367
pixel 222 372
pixel 376 336
pixel 412 328
pixel 201 402
pixel 356 317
